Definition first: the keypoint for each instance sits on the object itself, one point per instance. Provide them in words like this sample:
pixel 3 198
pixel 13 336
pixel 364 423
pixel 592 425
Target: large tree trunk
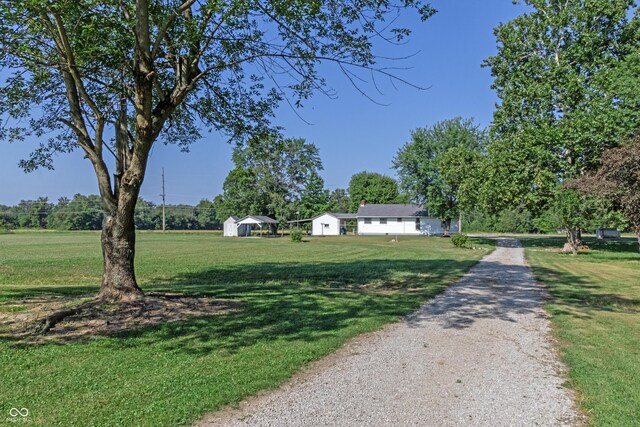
pixel 118 252
pixel 574 239
pixel 446 226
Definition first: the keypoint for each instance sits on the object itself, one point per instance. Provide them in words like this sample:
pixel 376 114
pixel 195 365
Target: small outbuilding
pixel 260 221
pixel 607 233
pixel 231 228
pixel 331 224
pixel 241 227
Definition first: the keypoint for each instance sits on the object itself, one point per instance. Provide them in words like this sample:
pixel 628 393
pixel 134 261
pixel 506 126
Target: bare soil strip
pixel 480 354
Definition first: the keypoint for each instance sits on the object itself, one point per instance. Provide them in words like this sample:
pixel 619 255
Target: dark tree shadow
pixel 291 301
pixel 314 300
pixel 500 291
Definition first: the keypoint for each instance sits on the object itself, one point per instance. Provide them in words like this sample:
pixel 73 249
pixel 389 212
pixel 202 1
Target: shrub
pixel 5 227
pixel 296 235
pixel 459 240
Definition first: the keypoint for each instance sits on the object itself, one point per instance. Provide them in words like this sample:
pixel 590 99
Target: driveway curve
pixel 480 354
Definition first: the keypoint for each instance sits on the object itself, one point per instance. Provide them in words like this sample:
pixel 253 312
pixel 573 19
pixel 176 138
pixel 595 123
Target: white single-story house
pixel 236 227
pixel 330 224
pixel 397 219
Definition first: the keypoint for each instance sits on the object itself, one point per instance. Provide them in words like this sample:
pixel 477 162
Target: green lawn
pixel 596 316
pixel 301 301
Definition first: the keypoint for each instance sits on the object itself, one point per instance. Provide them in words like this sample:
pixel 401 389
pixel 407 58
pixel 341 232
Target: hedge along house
pixel 235 227
pixel 331 224
pixel 395 219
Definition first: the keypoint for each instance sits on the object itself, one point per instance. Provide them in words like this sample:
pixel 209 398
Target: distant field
pixel 596 315
pixel 302 301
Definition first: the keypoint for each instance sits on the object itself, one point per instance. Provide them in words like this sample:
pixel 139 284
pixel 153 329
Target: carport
pixel 260 221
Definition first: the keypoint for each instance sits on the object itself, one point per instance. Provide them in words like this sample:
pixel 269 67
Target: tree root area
pixel 71 318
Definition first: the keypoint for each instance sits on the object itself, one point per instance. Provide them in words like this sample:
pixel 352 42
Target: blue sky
pixel 352 133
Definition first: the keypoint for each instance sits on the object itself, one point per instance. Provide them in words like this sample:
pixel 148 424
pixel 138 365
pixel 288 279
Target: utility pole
pixel 163 203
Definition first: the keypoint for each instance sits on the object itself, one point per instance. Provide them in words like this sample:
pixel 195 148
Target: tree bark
pixel 446 225
pixel 574 238
pixel 118 252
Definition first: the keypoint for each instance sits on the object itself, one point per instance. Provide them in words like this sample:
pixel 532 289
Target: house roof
pixel 337 215
pixel 343 215
pixel 391 210
pixel 257 219
pixel 233 218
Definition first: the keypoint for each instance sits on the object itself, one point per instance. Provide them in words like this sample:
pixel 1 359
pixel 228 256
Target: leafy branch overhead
pixel 227 64
pixel 118 75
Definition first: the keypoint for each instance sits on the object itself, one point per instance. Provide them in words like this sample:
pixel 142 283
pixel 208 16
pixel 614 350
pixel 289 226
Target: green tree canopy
pixel 434 166
pixel 373 188
pixel 33 213
pixel 339 201
pixel 567 92
pixel 273 176
pixel 112 77
pixel 314 198
pixel 80 213
pixel 240 195
pixel 206 215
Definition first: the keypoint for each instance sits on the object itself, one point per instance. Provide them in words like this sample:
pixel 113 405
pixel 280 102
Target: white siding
pixel 428 226
pixel 325 225
pixel 230 228
pixel 406 227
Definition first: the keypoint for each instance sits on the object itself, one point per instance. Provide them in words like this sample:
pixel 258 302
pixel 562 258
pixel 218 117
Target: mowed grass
pixel 300 302
pixel 596 316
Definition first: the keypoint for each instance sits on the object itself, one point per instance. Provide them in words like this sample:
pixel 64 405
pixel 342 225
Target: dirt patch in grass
pixel 29 320
pixel 563 250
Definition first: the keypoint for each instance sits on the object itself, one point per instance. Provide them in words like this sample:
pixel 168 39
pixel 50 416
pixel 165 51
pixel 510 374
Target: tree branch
pixel 176 13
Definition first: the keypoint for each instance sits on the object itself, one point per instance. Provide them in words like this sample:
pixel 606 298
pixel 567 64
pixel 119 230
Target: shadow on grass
pixel 573 291
pixel 305 301
pixel 625 244
pixel 502 291
pixel 288 301
pixel 10 294
pixel 570 291
pixel 315 301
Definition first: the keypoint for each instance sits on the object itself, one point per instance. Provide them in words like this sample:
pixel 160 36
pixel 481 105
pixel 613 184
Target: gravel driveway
pixel 479 354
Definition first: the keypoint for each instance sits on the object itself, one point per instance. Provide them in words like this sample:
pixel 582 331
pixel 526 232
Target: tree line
pixel 86 213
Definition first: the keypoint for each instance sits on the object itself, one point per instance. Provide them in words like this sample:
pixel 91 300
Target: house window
pixel 367 220
pixel 417 224
pixel 326 225
pixel 399 219
pixel 383 220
